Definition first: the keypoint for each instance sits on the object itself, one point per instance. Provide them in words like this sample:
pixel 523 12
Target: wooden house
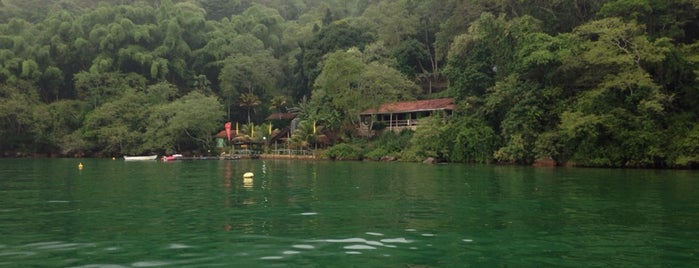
pixel 397 116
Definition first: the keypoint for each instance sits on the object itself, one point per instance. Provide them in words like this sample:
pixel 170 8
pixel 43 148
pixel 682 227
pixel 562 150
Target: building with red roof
pixel 405 114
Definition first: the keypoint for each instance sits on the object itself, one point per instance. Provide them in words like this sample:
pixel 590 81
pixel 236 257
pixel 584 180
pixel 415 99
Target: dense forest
pixel 611 83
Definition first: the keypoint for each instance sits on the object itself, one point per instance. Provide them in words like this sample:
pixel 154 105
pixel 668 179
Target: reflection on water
pixel 329 214
pixel 247 182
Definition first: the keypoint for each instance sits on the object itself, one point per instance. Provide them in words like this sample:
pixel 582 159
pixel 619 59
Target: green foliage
pixel 99 88
pixel 389 143
pixel 429 140
pixel 115 127
pixel 62 126
pixel 349 86
pixel 336 36
pixel 489 51
pixel 262 22
pixel 376 154
pixel 18 124
pixel 254 74
pixel 614 122
pixel 249 101
pixel 308 134
pixel 219 9
pixel 685 148
pixel 343 151
pixel 662 18
pixel 520 110
pixel 392 27
pixel 472 140
pixel 598 83
pixel 412 57
pixel 187 123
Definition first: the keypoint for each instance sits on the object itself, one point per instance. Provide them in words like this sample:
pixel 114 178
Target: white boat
pixel 140 157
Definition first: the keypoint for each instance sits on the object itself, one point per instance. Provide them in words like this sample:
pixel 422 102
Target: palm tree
pixel 277 103
pixel 307 134
pixel 305 110
pixel 250 101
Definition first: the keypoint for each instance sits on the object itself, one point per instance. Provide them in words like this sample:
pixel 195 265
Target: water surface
pixel 342 214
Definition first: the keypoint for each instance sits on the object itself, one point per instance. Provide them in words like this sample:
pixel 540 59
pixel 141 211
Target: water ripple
pixel 100 266
pixel 309 213
pixel 396 240
pixel 301 246
pixel 359 247
pixel 149 263
pixel 178 246
pixel 346 240
pixel 271 258
pixel 17 254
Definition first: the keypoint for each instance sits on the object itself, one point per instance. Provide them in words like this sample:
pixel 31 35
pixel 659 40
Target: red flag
pixel 228 130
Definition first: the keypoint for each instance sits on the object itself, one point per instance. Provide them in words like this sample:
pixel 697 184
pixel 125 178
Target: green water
pixel 342 214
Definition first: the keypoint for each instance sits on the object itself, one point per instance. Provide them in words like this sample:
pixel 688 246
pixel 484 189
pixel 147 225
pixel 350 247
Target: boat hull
pixel 140 157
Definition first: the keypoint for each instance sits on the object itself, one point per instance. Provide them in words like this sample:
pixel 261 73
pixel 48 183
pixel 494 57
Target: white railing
pixel 292 152
pixel 246 152
pixel 399 123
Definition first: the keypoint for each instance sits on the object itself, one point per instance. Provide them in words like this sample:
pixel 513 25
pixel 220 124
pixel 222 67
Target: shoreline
pixel 540 163
pixel 286 156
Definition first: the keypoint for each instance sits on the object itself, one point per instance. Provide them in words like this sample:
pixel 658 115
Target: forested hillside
pixel 596 83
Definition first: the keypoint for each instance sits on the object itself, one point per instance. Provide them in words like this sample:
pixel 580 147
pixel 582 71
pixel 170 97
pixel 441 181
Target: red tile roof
pixel 412 106
pixel 222 134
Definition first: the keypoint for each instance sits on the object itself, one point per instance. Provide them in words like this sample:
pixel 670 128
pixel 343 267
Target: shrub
pixel 471 140
pixel 377 153
pixel 344 151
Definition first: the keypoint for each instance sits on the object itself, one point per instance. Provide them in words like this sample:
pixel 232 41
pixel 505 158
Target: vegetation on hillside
pixel 611 83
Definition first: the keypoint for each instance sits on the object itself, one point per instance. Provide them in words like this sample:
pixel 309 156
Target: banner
pixel 228 130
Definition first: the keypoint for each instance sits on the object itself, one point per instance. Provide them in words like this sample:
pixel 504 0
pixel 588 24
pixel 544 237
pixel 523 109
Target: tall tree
pixel 18 125
pixel 615 122
pixel 395 26
pixel 336 36
pixel 172 126
pixel 254 74
pixel 349 85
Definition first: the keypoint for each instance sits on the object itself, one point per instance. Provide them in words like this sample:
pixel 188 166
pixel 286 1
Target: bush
pixel 429 139
pixel 472 140
pixel 377 153
pixel 344 151
pixel 411 155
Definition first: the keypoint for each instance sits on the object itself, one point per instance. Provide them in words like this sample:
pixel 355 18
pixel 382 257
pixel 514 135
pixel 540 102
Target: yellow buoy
pixel 80 165
pixel 248 175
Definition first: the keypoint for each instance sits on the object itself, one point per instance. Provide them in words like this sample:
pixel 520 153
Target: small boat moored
pixel 172 157
pixel 140 158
